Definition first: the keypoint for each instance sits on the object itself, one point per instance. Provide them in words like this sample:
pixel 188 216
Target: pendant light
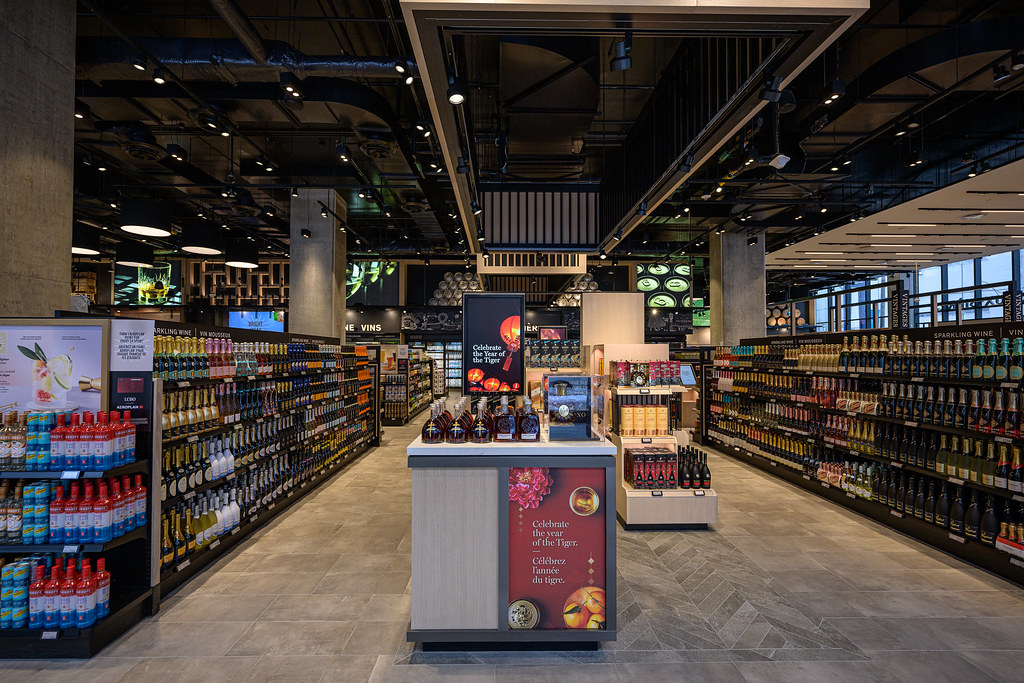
pixel 132 253
pixel 84 240
pixel 242 255
pixel 200 238
pixel 140 217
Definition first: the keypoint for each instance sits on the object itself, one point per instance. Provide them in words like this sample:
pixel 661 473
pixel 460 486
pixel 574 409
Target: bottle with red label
pixel 128 511
pixel 85 598
pixel 140 502
pixel 102 589
pixel 118 499
pixel 117 439
pixel 57 445
pixel 103 443
pixel 83 515
pixel 56 534
pixel 86 441
pixel 68 605
pixel 71 516
pixel 102 516
pixel 51 596
pixel 129 436
pixel 36 599
pixel 72 434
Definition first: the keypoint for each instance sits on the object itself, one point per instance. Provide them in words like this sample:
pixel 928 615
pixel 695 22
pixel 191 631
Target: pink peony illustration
pixel 527 486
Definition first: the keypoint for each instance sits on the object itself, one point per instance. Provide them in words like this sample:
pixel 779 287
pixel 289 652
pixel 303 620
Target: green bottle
pixel 963 468
pixel 988 372
pixel 988 467
pixel 1017 361
pixel 978 362
pixel 1003 366
pixel 942 456
pixel 977 462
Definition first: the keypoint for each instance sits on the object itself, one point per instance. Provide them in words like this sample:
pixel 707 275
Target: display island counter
pixel 513 543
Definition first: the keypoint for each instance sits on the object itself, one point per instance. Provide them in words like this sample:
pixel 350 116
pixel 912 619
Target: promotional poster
pixel 51 367
pixel 131 369
pixel 556 553
pixel 155 285
pixel 492 342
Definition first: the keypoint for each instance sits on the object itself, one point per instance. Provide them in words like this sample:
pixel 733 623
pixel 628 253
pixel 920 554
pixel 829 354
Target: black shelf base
pixel 660 527
pixel 976 553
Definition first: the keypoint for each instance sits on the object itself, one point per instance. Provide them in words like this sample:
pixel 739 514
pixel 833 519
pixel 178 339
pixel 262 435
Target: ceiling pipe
pixel 206 59
pixel 243 29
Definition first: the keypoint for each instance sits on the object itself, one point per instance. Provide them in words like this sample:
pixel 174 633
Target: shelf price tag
pixel 192 439
pixel 1003 439
pixel 850 495
pixel 826 484
pixel 656 494
pixel 215 543
pixel 272 506
pixel 190 495
pixel 1019 563
pixel 69 474
pixel 897 513
pixel 806 477
pixel 70 549
pixel 183 565
pixel 48 635
pixel 646 439
pixel 955 481
pixel 645 391
pixel 185 384
pixel 1019 498
pixel 698 493
pixel 957 538
pixel 236 530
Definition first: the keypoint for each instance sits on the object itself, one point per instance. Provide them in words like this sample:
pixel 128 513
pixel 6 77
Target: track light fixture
pixel 401 67
pixel 476 208
pixel 409 79
pixel 225 132
pixel 208 121
pixel 486 254
pixel 620 53
pixel 341 149
pixel 291 84
pixel 834 92
pixel 268 210
pixel 973 171
pixel 463 167
pixel 139 63
pixel 999 73
pixel 82 110
pixel 618 235
pixel 295 191
pixel 642 211
pixel 456 90
pixel 260 160
pixel 176 152
pixel 323 212
pixel 752 241
pixel 601 255
pixel 158 76
pixel 306 233
pixel 363 192
pixel 687 164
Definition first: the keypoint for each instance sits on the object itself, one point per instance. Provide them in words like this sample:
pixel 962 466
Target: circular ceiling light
pixel 200 238
pixel 144 218
pixel 133 254
pixel 242 255
pixel 84 241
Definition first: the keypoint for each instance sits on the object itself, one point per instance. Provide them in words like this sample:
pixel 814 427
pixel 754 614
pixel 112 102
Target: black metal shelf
pixel 186 383
pixel 975 552
pixel 137 467
pixel 926 379
pixel 74 547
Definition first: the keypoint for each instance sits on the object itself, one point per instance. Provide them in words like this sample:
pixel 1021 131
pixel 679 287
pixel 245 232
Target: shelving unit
pixel 640 509
pixel 407 385
pixel 742 419
pixel 328 418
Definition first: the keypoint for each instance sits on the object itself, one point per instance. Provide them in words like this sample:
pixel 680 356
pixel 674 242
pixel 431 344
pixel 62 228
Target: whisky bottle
pixel 504 422
pixel 528 423
pixel 432 432
pixel 480 430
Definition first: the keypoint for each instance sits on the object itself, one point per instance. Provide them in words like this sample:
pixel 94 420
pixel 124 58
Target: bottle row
pixel 553 353
pixel 185 358
pixel 986 462
pixel 391 410
pixel 197 410
pixel 642 420
pixel 54 442
pixel 998 360
pixel 460 425
pixel 962 511
pixel 38 513
pixel 657 467
pixel 188 527
pixel 39 592
pixel 986 411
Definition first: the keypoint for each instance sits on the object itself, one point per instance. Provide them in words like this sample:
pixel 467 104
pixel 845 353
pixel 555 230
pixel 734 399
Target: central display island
pixel 513 543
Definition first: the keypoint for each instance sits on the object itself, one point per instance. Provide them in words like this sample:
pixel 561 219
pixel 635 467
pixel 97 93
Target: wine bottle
pixel 956 513
pixel 929 504
pixel 972 519
pixel 942 508
pixel 989 525
pixel 1015 480
pixel 1001 476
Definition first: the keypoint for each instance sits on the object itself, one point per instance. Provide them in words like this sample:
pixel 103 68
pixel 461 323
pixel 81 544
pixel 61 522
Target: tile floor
pixel 786 587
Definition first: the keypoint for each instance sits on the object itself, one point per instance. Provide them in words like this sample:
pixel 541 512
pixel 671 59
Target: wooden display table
pixel 520 531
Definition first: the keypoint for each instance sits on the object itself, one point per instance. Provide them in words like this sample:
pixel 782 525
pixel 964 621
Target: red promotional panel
pixel 556 553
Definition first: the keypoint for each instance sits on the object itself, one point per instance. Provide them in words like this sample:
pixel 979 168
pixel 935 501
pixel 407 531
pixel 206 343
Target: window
pixel 928 280
pixel 960 274
pixel 994 269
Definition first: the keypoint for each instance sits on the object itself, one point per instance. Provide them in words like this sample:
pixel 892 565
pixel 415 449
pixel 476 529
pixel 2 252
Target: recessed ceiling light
pixel 912 225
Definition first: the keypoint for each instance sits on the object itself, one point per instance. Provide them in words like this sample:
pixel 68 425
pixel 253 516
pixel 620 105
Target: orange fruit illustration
pixel 575 615
pixel 596 621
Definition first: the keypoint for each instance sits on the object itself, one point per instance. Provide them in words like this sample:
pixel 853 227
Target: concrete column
pixel 37 91
pixel 316 287
pixel 737 289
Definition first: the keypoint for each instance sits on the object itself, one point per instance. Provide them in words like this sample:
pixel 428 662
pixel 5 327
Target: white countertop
pixel 606 447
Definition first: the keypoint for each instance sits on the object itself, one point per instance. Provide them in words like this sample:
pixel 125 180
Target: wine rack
pixel 883 415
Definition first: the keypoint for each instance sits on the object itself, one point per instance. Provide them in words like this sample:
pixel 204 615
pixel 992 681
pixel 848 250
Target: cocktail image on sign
pixel 492 328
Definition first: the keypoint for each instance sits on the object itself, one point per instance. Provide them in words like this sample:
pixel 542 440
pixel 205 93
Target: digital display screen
pixel 557 332
pixel 686 375
pixel 156 285
pixel 261 321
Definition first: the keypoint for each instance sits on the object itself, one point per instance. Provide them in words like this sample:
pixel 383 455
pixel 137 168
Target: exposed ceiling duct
pixel 209 59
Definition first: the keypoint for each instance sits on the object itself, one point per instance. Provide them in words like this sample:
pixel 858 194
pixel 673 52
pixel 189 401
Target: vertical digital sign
pixel 492 327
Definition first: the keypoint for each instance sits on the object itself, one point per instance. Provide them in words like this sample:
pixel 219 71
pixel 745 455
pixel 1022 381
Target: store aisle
pixel 786 587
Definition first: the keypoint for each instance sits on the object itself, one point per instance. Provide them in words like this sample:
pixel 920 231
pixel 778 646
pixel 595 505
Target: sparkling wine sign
pixel 556 554
pixel 492 343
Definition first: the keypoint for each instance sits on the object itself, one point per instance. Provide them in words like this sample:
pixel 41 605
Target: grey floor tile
pixel 303 668
pixel 294 638
pixel 189 669
pixel 156 638
pixel 316 608
pixel 800 672
pixel 556 674
pixel 216 607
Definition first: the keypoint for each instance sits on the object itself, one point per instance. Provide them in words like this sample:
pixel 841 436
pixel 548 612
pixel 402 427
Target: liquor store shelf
pixel 186 383
pixel 170 580
pixel 801 372
pixel 838 449
pixel 957 431
pixel 130 468
pixel 128 606
pixel 224 429
pixel 966 549
pixel 72 548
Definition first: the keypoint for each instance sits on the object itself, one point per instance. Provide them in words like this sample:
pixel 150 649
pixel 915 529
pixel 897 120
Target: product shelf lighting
pixel 140 217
